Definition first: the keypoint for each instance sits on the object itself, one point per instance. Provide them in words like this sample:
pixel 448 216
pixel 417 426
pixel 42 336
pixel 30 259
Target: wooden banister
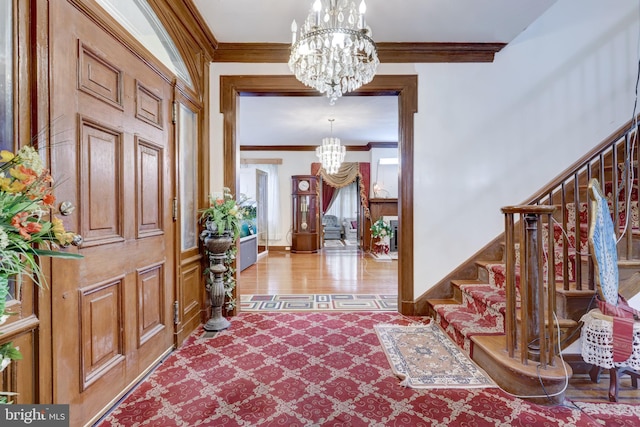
pixel 523 232
pixel 561 210
pixel 611 162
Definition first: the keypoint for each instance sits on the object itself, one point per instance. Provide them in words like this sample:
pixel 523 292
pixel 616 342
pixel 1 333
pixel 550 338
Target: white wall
pixel 294 163
pixel 490 135
pixel 385 175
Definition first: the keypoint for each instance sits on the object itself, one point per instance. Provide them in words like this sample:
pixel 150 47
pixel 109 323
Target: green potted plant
pixel 223 215
pixel 222 227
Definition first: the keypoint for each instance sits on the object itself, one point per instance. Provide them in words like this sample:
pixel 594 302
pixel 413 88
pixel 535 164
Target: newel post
pixel 526 252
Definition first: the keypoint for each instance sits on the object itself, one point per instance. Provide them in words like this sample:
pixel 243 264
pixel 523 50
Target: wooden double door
pixel 113 155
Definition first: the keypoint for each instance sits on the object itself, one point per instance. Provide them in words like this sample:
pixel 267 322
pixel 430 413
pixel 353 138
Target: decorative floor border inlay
pixel 319 302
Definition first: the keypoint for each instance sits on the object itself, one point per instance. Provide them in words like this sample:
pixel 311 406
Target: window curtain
pixel 345 203
pixel 348 173
pixel 274 201
pixel 328 194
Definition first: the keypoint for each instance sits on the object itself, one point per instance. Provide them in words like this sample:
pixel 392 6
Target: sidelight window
pixel 188 149
pixel 6 75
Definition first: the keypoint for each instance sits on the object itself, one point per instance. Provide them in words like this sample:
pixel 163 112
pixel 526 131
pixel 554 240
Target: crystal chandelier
pixel 331 153
pixel 334 52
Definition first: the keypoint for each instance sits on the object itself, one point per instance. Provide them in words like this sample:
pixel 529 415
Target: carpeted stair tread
pixel 468 321
pixel 497 274
pixel 461 323
pixel 491 297
pixel 458 283
pixel 483 295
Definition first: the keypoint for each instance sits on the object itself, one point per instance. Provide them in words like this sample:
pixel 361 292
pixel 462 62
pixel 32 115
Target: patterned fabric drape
pixel 365 179
pixel 348 172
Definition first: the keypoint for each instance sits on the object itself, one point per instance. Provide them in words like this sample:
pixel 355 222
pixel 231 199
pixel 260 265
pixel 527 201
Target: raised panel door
pixel 112 152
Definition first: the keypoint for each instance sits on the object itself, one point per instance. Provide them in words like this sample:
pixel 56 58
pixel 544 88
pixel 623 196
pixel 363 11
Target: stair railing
pixel 524 236
pixel 561 209
pixel 611 162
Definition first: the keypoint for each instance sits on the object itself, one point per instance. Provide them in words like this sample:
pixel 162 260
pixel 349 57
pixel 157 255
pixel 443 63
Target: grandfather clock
pixel 305 214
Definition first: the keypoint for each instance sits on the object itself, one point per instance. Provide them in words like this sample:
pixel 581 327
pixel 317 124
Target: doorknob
pixel 66 208
pixel 77 240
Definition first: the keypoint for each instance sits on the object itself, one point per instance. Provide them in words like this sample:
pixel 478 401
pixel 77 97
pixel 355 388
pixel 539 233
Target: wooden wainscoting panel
pixel 18 376
pixel 189 299
pixel 148 106
pixel 149 191
pixel 100 183
pixel 101 326
pixel 98 77
pixel 150 302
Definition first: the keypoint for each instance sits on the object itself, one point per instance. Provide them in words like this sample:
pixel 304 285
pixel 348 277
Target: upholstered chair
pixel 332 227
pixel 351 230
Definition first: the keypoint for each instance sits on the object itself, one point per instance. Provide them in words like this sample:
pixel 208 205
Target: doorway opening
pixel 403 86
pixel 343 211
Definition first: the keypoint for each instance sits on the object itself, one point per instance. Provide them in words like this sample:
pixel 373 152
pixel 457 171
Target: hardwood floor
pixel 331 270
pixel 582 389
pixel 348 270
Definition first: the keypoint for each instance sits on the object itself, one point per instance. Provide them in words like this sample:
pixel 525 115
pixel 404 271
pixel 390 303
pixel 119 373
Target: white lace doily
pixel 597 343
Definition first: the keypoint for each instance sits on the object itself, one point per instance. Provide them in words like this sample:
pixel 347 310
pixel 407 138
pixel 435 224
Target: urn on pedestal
pixel 222 227
pixel 217 246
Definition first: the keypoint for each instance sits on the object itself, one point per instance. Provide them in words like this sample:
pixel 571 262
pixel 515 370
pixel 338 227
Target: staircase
pixel 471 303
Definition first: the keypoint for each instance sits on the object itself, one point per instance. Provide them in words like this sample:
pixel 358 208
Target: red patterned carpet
pixel 321 369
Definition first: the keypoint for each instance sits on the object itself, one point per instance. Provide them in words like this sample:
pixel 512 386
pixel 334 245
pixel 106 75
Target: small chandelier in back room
pixel 334 52
pixel 331 153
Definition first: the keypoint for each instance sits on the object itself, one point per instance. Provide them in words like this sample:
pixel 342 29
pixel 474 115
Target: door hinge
pixel 176 318
pixel 174 112
pixel 174 209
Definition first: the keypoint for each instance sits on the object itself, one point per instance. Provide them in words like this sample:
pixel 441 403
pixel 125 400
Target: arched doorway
pixel 405 87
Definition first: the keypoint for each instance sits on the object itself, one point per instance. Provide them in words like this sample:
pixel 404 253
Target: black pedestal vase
pixel 217 246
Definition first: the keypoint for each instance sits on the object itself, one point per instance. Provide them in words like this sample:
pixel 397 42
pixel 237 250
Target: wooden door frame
pixel 405 87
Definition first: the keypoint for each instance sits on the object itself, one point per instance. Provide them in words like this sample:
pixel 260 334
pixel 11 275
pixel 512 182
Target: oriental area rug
pixel 333 244
pixel 319 302
pixel 423 356
pixel 320 369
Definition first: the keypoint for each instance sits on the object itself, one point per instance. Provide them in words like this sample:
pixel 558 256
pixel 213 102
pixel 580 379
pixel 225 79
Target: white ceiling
pixel 269 21
pixel 268 120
